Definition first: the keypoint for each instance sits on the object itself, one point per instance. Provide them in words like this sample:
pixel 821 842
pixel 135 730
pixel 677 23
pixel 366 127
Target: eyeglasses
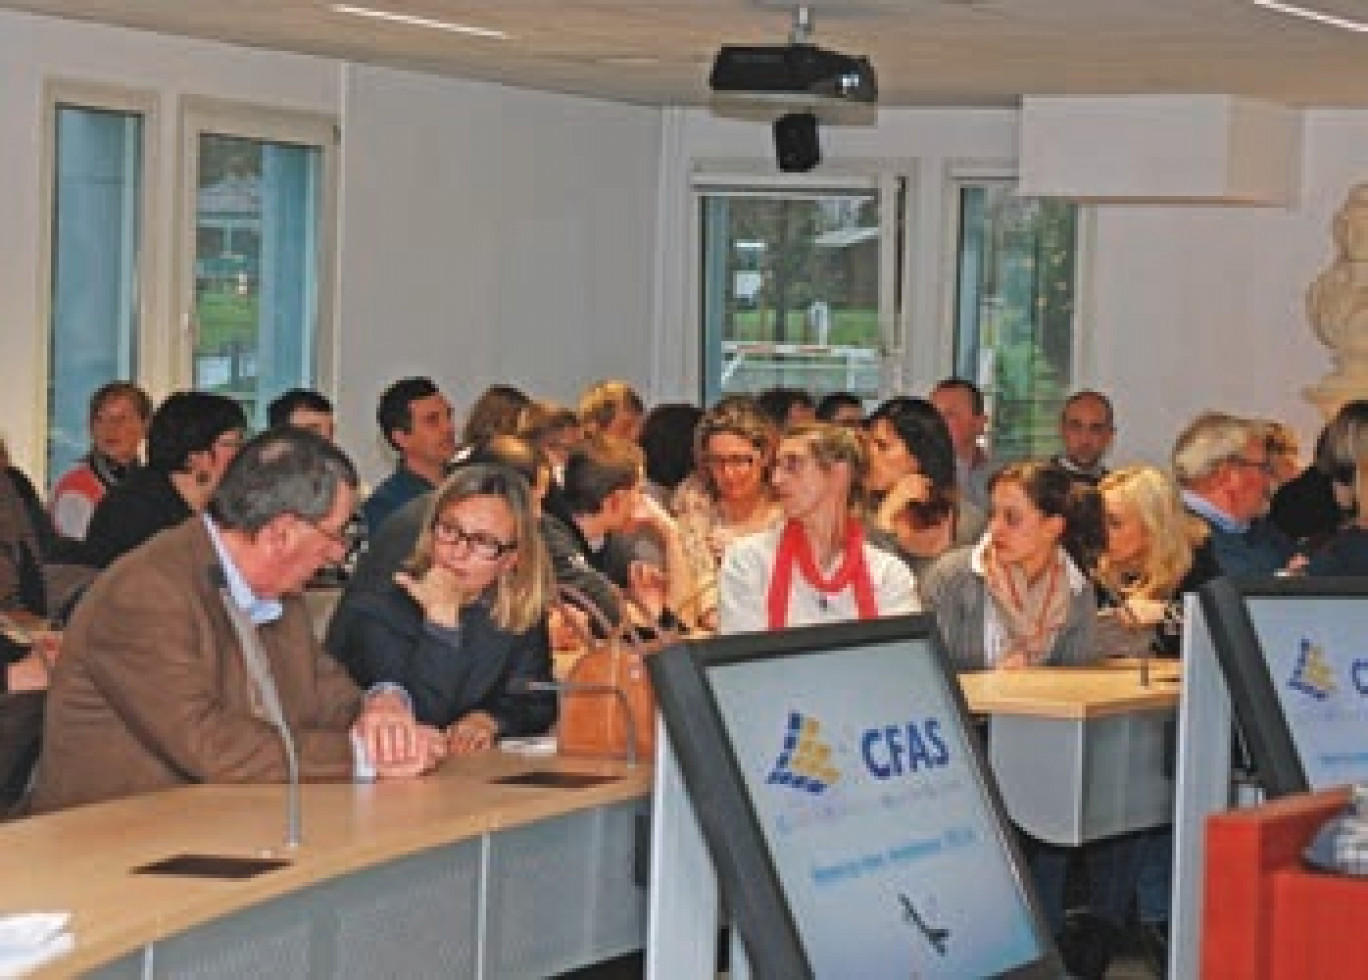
pixel 792 464
pixel 481 544
pixel 346 539
pixel 732 461
pixel 1262 465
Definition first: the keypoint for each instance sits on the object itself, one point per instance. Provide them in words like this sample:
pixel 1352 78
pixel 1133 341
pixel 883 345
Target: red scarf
pixel 795 549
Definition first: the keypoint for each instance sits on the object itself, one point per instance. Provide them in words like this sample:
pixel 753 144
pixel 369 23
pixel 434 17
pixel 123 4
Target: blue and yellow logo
pixel 804 763
pixel 1312 674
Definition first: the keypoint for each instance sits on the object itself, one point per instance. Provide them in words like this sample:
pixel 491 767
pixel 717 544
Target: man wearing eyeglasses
pixel 172 662
pixel 1221 462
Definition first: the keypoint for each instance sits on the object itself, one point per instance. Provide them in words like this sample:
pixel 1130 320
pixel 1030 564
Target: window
pixel 262 210
pixel 792 289
pixel 1014 311
pixel 813 287
pixel 95 263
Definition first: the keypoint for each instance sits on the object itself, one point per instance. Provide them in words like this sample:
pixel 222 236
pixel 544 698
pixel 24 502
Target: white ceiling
pixel 926 52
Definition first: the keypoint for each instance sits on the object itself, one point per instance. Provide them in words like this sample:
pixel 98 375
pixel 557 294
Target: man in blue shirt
pixel 417 421
pixel 1222 463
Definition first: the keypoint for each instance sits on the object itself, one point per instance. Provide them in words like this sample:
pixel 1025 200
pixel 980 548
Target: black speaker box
pixel 795 142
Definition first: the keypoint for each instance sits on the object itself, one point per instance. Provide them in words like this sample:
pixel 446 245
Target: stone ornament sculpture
pixel 1337 306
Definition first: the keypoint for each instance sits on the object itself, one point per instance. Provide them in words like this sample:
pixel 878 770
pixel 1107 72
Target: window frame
pixel 895 187
pixel 966 173
pixel 201 115
pixel 59 93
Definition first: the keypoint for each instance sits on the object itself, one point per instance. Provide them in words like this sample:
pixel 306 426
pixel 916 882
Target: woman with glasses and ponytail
pixel 462 627
pixel 815 566
pixel 729 493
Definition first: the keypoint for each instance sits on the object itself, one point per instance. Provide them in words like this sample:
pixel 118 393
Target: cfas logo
pixel 1312 675
pixel 804 763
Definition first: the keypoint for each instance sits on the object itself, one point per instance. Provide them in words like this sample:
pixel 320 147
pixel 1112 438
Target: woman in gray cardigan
pixel 1021 596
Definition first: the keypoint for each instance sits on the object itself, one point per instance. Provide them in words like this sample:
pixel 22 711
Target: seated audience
pixel 667 438
pixel 1021 596
pixel 552 430
pixel 463 627
pixel 787 406
pixel 193 437
pixel 417 421
pixel 912 482
pixel 842 408
pixel 1306 508
pixel 119 414
pixel 1086 431
pixel 303 408
pixel 1345 552
pixel 494 413
pixel 153 689
pixel 729 494
pixel 40 572
pixel 1284 451
pixel 612 408
pixel 1221 462
pixel 816 566
pixel 961 404
pixel 591 546
pixel 1156 553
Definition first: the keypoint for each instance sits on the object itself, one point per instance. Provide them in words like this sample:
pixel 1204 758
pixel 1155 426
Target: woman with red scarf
pixel 815 567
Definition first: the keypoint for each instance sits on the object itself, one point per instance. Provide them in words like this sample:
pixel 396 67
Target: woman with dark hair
pixel 912 481
pixel 816 566
pixel 1021 596
pixel 463 627
pixel 192 438
pixel 667 441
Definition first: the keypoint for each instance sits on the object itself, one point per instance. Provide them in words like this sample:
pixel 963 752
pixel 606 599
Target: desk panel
pixel 393 879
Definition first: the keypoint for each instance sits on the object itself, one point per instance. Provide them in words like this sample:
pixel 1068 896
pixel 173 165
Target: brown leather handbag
pixel 606 698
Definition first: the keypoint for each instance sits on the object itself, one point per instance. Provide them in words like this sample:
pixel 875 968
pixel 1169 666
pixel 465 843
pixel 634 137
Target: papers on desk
pixel 536 745
pixel 30 939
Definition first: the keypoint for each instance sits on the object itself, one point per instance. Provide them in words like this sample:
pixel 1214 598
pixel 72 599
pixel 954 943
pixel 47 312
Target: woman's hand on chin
pixel 436 592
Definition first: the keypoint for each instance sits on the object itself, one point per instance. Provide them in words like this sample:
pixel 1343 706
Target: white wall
pixel 491 234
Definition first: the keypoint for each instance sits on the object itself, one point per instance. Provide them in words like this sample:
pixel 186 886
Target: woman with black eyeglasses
pixel 462 628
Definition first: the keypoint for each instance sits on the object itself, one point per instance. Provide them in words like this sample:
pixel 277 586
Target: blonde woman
pixel 463 627
pixel 816 566
pixel 729 494
pixel 1156 551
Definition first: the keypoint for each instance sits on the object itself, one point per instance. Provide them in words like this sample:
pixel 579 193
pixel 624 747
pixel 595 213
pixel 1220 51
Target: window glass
pixel 96 251
pixel 1014 312
pixel 791 292
pixel 258 208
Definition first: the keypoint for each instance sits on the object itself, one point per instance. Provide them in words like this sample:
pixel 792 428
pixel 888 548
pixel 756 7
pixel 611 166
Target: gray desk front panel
pixel 559 895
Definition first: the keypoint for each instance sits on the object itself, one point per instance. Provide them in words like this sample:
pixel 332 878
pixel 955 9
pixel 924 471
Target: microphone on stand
pixel 259 670
pixel 562 688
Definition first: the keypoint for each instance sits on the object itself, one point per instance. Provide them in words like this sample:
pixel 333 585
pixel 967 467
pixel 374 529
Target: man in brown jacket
pixel 154 688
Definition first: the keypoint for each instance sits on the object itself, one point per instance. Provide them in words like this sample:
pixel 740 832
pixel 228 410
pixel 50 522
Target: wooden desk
pixel 451 875
pixel 1079 752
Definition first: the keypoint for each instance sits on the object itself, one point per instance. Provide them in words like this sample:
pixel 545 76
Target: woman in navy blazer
pixel 462 628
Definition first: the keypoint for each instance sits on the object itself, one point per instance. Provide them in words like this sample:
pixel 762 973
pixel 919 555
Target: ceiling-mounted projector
pixel 793 69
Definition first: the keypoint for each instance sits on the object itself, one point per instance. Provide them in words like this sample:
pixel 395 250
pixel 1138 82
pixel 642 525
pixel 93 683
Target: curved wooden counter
pixel 1108 688
pixel 82 860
